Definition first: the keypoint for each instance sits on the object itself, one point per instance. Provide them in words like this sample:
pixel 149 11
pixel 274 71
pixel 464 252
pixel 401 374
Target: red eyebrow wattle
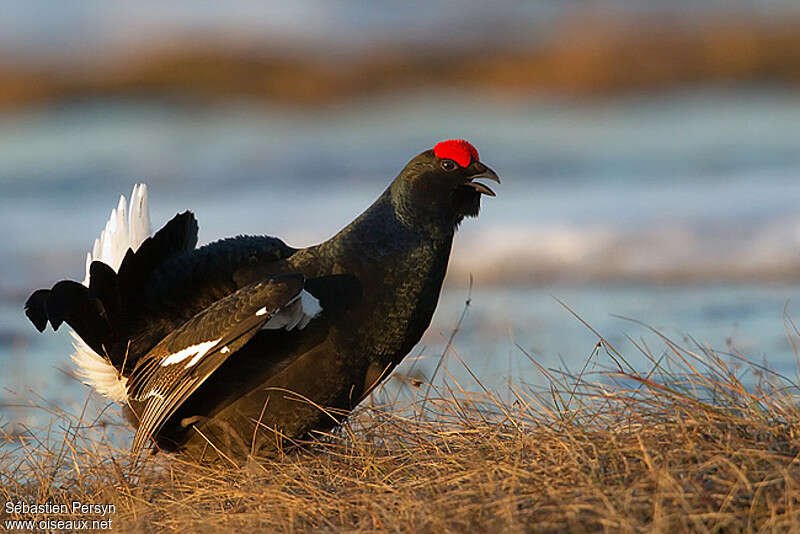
pixel 457 150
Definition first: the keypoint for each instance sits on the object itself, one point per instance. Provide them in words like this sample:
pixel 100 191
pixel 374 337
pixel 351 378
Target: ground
pixel 684 446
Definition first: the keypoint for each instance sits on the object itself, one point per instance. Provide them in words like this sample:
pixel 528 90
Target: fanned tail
pixel 127 228
pixel 108 312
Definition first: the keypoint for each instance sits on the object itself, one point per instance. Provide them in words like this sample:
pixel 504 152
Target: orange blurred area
pixel 596 52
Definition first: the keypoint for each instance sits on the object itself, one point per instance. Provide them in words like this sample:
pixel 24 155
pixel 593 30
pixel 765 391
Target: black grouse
pixel 224 349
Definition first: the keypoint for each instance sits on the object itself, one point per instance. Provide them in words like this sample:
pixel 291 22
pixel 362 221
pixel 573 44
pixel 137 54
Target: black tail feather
pixel 36 308
pixel 178 235
pixel 65 297
pixel 103 286
pixel 69 302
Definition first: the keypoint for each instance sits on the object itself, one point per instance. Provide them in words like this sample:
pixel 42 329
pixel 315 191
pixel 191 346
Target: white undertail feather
pixel 95 371
pixel 122 231
pixel 125 229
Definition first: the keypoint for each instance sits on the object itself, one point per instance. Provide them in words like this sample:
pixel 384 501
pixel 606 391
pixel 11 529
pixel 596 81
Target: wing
pixel 182 361
pixel 186 284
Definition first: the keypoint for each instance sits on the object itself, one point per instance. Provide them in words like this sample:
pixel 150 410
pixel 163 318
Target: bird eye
pixel 448 164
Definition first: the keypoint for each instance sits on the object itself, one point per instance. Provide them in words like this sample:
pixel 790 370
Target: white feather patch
pixel 297 314
pixel 97 372
pixel 154 393
pixel 197 351
pixel 127 227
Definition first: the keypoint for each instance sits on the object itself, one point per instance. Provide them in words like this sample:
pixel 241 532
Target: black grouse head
pixel 438 188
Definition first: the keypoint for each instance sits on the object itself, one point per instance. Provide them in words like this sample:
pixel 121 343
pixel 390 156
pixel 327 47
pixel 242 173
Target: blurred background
pixel 650 156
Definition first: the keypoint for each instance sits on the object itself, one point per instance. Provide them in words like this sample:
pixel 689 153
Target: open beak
pixel 484 172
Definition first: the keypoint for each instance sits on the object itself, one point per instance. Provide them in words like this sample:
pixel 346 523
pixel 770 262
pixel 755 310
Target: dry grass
pixel 683 447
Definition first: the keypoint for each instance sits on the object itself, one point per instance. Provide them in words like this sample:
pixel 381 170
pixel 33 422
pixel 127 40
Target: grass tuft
pixel 700 441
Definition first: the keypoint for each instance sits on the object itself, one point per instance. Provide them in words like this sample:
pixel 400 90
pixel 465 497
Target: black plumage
pixel 211 340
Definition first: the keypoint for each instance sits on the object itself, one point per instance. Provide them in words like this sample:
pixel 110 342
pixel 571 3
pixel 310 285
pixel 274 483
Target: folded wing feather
pixel 180 363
